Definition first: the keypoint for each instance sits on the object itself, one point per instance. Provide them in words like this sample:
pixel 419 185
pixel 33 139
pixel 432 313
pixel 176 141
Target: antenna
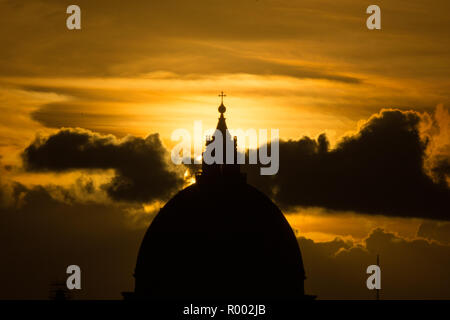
pixel 58 291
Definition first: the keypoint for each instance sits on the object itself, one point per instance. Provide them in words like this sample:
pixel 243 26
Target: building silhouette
pixel 219 238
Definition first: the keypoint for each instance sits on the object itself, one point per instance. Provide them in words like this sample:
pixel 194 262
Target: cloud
pixel 118 39
pixel 435 230
pixel 183 43
pixel 143 172
pixel 410 269
pixel 41 236
pixel 437 130
pixel 44 235
pixel 379 170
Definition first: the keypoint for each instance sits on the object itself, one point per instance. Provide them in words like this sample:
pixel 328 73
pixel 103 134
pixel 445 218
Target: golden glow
pixel 304 67
pixel 189 178
pixel 320 226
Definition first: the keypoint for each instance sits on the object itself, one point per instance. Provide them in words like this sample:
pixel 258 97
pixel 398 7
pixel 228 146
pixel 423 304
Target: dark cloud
pixel 143 171
pixel 441 169
pixel 435 230
pixel 40 236
pixel 380 170
pixel 410 269
pixel 71 115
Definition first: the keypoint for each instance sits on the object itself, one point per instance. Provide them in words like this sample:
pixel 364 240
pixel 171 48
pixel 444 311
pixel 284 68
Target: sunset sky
pixel 140 68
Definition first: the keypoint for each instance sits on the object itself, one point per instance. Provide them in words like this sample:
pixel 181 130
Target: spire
pixel 222 108
pixel 222 169
pixel 221 125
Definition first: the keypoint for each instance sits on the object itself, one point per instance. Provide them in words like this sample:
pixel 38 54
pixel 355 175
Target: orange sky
pixel 304 67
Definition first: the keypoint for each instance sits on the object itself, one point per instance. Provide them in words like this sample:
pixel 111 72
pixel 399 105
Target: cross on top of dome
pixel 222 108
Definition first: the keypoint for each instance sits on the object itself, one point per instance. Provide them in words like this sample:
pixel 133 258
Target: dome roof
pixel 217 240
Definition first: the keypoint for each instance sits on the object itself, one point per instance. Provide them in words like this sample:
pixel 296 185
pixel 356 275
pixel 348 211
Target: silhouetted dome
pixel 221 240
